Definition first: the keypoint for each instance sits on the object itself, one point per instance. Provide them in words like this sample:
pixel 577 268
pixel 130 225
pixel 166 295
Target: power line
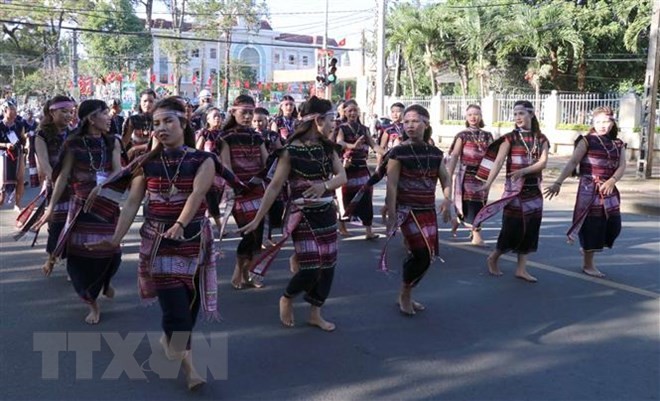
pixel 161 36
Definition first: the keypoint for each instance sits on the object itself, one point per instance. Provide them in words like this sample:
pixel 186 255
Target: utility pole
pixel 74 62
pixel 650 101
pixel 328 88
pixel 217 74
pixel 380 59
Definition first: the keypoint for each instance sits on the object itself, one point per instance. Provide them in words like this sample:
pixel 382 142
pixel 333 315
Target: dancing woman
pixel 468 149
pixel 413 170
pixel 50 137
pixel 177 261
pixel 248 158
pixel 138 128
pixel 601 158
pixel 285 120
pixel 525 150
pixel 312 167
pixel 12 159
pixel 87 159
pixel 208 140
pixel 354 138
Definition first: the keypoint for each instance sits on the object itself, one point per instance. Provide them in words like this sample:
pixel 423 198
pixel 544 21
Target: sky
pixel 346 18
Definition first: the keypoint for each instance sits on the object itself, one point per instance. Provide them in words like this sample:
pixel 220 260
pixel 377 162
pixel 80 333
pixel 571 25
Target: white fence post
pixel 552 114
pixel 489 109
pixel 436 110
pixel 630 112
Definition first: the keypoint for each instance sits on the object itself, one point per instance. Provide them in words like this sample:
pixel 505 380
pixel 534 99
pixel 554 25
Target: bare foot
pixel 286 311
pixel 94 314
pixel 237 278
pixel 526 276
pixel 315 319
pixel 593 272
pixel 48 266
pixel 193 379
pixel 454 227
pixel 493 268
pixel 406 305
pixel 294 266
pixel 109 292
pixel 169 354
pixel 342 229
pixel 418 307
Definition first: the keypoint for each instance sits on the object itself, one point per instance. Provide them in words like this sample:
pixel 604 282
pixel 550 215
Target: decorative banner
pixel 209 82
pixel 246 84
pixel 268 86
pixel 134 76
pixel 153 78
pixel 260 85
pixel 128 95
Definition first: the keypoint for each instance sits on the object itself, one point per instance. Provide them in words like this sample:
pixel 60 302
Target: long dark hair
pixel 536 127
pixel 614 131
pixel 294 113
pixel 311 106
pixel 146 92
pixel 481 120
pixel 240 100
pixel 206 114
pixel 47 124
pixel 85 110
pixel 421 110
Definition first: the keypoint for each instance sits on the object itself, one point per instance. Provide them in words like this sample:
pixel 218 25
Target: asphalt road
pixel 568 337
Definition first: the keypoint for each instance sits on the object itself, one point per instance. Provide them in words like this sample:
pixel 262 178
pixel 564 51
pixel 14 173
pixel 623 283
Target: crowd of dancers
pixel 303 172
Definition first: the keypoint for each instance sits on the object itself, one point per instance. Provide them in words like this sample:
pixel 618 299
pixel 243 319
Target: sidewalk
pixel 638 196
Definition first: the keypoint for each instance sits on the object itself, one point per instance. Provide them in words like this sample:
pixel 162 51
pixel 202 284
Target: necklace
pixel 610 162
pixel 475 136
pixel 288 124
pixel 531 153
pixel 101 164
pixel 425 171
pixel 321 163
pixel 173 190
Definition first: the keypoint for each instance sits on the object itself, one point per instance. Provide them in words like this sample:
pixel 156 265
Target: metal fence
pixel 576 108
pixel 506 101
pixel 454 106
pixel 408 100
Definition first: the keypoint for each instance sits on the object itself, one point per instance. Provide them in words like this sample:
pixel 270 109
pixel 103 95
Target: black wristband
pixel 180 224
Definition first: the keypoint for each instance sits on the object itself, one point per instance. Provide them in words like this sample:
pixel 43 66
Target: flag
pixel 260 85
pixel 246 84
pixel 342 42
pixel 153 78
pixel 194 80
pixel 209 82
pixel 348 93
pixel 133 76
pixel 280 87
pixel 269 86
pixel 237 83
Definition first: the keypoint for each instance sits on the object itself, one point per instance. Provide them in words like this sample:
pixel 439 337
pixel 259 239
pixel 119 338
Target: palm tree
pixel 636 16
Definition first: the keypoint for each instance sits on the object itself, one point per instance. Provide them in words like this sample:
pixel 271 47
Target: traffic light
pixel 332 72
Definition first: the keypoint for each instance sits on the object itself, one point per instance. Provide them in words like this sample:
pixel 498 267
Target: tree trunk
pixel 434 84
pixel 225 104
pixel 397 72
pixel 582 75
pixel 148 5
pixel 411 77
pixel 464 75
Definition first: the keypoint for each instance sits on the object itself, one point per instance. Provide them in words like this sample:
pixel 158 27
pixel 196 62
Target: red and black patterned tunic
pixel 395 134
pixel 357 174
pixel 597 217
pixel 142 125
pixel 468 200
pixel 246 162
pixel 10 159
pixel 30 133
pixel 90 271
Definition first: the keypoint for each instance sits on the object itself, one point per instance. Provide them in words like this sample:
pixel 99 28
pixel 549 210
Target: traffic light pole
pixel 380 59
pixel 328 89
pixel 647 135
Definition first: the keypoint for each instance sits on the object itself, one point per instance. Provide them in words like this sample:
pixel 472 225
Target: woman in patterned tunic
pixel 354 138
pixel 53 131
pixel 469 148
pixel 525 150
pixel 177 256
pixel 208 140
pixel 312 167
pixel 248 159
pixel 285 120
pixel 87 159
pixel 138 128
pixel 413 170
pixel 601 158
pixel 12 160
pixel 30 126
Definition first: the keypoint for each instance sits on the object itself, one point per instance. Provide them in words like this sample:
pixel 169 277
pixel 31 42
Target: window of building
pixel 214 72
pixel 277 58
pixel 214 53
pixel 305 61
pixel 195 53
pixel 292 59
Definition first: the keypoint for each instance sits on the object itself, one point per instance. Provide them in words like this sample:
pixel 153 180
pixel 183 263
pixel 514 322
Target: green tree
pixel 116 52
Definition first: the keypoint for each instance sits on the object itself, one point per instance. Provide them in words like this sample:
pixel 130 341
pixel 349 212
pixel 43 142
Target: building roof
pixel 305 39
pixel 159 23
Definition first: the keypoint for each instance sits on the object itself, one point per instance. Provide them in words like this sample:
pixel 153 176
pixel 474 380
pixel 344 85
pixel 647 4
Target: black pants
pixel 180 308
pixel 54 230
pixel 251 243
pixel 415 266
pixel 316 284
pixel 275 215
pixel 89 275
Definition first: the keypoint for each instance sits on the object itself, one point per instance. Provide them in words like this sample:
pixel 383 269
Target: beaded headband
pixel 529 109
pixel 247 107
pixel 62 105
pixel 313 116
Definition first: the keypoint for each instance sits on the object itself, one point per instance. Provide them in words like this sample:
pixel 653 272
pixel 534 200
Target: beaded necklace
pixel 172 189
